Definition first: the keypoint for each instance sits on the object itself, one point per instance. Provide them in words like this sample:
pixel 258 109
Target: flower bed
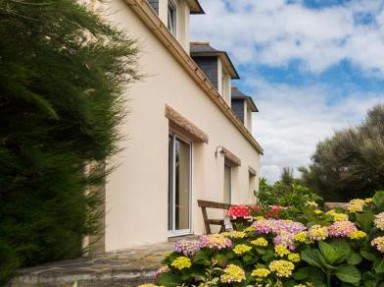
pixel 336 248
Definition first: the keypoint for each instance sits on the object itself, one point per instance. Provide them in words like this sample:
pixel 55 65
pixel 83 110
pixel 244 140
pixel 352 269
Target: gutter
pixel 145 12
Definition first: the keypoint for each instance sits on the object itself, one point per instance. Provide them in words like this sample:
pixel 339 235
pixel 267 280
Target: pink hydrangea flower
pixel 341 228
pixel 187 247
pixel 215 241
pixel 379 221
pixel 284 230
pixel 378 242
pixel 286 239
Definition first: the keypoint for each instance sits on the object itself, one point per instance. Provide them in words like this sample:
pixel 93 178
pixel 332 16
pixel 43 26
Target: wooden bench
pixel 204 204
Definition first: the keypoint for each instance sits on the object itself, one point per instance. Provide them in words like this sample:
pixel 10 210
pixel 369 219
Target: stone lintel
pixel 185 125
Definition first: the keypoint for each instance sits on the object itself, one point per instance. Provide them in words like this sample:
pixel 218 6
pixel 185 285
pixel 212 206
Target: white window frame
pixel 172 17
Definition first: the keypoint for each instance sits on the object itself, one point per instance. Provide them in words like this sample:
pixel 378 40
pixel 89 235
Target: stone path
pixel 125 268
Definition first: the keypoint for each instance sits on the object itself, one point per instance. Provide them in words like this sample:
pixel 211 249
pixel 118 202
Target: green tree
pixel 62 71
pixel 350 163
pixel 289 192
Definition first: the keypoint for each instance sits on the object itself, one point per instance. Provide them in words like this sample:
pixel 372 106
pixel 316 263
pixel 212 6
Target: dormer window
pixel 172 17
pixel 243 106
pixel 217 66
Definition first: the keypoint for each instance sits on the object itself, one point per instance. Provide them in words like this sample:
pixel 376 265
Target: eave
pixel 144 11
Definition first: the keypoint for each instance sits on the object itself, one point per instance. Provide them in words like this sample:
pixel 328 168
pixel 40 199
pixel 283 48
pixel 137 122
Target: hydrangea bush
pixel 335 248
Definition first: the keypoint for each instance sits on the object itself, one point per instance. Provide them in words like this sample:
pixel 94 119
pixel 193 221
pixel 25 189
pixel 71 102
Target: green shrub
pixel 298 201
pixel 62 71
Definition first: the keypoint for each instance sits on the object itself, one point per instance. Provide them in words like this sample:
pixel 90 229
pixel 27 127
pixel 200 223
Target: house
pixel 182 140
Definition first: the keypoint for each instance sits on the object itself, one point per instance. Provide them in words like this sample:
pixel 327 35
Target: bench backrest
pixel 204 204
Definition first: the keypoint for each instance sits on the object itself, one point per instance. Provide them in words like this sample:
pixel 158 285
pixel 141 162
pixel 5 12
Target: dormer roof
pixel 203 49
pixel 238 95
pixel 195 7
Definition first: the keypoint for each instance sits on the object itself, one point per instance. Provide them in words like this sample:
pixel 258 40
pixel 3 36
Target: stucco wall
pixel 137 191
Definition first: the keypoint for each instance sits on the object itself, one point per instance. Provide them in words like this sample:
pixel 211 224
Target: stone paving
pixel 125 268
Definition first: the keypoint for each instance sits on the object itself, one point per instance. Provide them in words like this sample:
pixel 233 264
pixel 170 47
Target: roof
pixel 238 95
pixel 203 49
pixel 149 17
pixel 195 7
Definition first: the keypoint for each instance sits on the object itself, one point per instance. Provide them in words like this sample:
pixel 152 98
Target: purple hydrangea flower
pixel 187 247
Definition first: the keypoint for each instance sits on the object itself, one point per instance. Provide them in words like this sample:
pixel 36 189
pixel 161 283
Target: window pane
pixel 170 182
pixel 172 18
pixel 227 184
pixel 182 184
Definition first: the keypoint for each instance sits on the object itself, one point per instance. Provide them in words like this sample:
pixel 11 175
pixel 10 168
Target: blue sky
pixel 311 66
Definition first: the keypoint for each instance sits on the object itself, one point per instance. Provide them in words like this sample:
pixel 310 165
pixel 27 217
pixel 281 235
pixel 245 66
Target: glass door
pixel 179 194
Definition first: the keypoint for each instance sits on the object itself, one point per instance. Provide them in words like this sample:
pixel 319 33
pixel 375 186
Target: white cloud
pixel 293 120
pixel 273 33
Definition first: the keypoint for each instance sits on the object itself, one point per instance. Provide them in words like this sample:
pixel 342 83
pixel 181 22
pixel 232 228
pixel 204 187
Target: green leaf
pixel 248 258
pixel 220 258
pixel 342 248
pixel 365 220
pixel 289 283
pixel 268 256
pixel 169 279
pixel 260 251
pixel 317 277
pixel 301 273
pixel 325 263
pixel 367 255
pixel 311 256
pixel 378 265
pixel 378 200
pixel 330 253
pixel 354 258
pixel 348 274
pixel 201 257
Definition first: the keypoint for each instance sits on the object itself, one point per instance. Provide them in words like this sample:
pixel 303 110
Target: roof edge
pixel 145 12
pixel 195 7
pixel 241 96
pixel 223 56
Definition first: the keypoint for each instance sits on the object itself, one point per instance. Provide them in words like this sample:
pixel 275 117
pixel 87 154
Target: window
pixel 172 17
pixel 179 194
pixel 227 183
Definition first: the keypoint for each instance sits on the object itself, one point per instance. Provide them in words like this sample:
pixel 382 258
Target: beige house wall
pixel 137 191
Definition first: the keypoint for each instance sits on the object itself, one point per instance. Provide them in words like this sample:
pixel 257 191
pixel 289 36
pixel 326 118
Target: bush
pixel 62 71
pixel 338 248
pixel 298 201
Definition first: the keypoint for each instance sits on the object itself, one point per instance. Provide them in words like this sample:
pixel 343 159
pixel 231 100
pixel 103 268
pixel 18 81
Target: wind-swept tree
pixel 351 163
pixel 62 70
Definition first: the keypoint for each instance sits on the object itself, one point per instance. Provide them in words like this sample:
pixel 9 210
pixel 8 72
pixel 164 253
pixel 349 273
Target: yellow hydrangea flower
pixel 317 232
pixel 356 205
pixel 337 216
pixel 283 268
pixel 357 235
pixel 241 249
pixel 262 242
pixel 181 263
pixel 301 236
pixel 294 257
pixel 368 200
pixel 236 234
pixel 281 250
pixel 232 273
pixel 260 273
pixel 250 229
